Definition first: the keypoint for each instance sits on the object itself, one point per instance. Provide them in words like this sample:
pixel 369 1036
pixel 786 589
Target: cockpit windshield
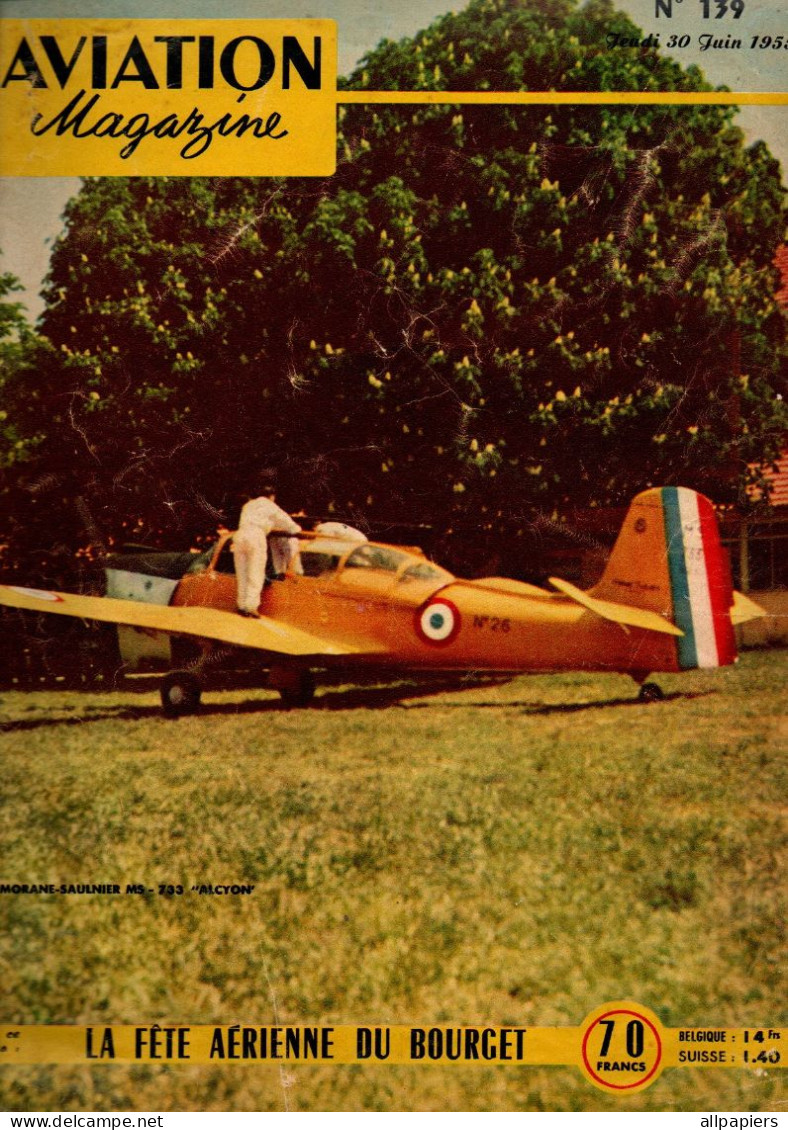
pixel 376 557
pixel 324 555
pixel 423 571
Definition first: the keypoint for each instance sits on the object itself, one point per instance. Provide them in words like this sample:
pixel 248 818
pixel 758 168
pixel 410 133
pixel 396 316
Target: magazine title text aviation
pixel 245 62
pixel 183 81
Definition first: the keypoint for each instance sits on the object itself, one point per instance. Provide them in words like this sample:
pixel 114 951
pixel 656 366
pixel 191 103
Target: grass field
pixel 511 853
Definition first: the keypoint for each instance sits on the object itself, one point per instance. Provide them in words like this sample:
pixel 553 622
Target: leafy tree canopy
pixel 17 342
pixel 486 310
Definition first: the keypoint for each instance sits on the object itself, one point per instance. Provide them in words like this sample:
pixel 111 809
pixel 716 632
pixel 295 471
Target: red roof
pixel 778 480
pixel 781 260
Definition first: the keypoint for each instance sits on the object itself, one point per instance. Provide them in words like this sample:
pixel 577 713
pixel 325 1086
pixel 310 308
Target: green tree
pixel 486 310
pixel 15 342
pixel 22 427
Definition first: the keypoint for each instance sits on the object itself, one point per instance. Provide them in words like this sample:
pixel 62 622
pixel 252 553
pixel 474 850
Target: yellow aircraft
pixel 664 603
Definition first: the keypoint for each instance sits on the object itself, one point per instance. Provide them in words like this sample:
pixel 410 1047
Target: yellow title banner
pixel 621 1047
pixel 565 97
pixel 167 97
pixel 101 97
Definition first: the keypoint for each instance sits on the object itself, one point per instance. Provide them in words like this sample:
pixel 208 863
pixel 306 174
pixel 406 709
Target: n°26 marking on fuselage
pixel 493 623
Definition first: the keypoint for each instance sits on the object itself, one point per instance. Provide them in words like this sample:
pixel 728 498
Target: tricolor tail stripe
pixel 699 580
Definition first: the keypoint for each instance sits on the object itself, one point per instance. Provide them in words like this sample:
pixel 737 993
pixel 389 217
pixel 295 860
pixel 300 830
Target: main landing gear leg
pixel 296 687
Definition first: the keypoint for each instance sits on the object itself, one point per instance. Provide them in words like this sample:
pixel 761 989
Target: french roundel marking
pixel 642 1079
pixel 438 622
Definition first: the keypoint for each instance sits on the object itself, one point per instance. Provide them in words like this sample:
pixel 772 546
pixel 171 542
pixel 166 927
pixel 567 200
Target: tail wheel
pixel 651 692
pixel 300 692
pixel 180 693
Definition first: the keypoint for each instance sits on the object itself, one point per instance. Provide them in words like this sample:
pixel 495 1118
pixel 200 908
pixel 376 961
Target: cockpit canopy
pixel 322 556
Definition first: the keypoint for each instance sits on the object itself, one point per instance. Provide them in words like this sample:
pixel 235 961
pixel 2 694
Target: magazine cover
pixel 392 556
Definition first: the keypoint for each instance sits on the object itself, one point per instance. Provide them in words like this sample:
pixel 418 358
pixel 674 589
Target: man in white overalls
pixel 259 518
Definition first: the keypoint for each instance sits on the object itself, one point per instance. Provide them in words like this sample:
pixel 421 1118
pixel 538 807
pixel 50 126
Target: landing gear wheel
pixel 651 692
pixel 301 692
pixel 180 693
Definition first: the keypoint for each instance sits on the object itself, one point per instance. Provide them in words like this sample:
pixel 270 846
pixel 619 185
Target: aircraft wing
pixel 207 623
pixel 745 609
pixel 624 614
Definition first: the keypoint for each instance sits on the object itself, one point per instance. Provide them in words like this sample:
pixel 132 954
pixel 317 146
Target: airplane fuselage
pixel 443 623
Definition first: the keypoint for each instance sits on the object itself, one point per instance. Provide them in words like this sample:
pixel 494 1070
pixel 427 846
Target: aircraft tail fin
pixel 668 558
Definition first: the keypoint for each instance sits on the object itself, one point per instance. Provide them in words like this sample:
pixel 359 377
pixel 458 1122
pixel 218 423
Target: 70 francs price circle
pixel 622 1047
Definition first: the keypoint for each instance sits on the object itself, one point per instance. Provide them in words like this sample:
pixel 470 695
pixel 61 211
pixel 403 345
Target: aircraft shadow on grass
pixel 354 698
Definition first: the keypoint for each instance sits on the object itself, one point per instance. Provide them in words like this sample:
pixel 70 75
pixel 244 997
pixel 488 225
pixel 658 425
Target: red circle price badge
pixel 622 1047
